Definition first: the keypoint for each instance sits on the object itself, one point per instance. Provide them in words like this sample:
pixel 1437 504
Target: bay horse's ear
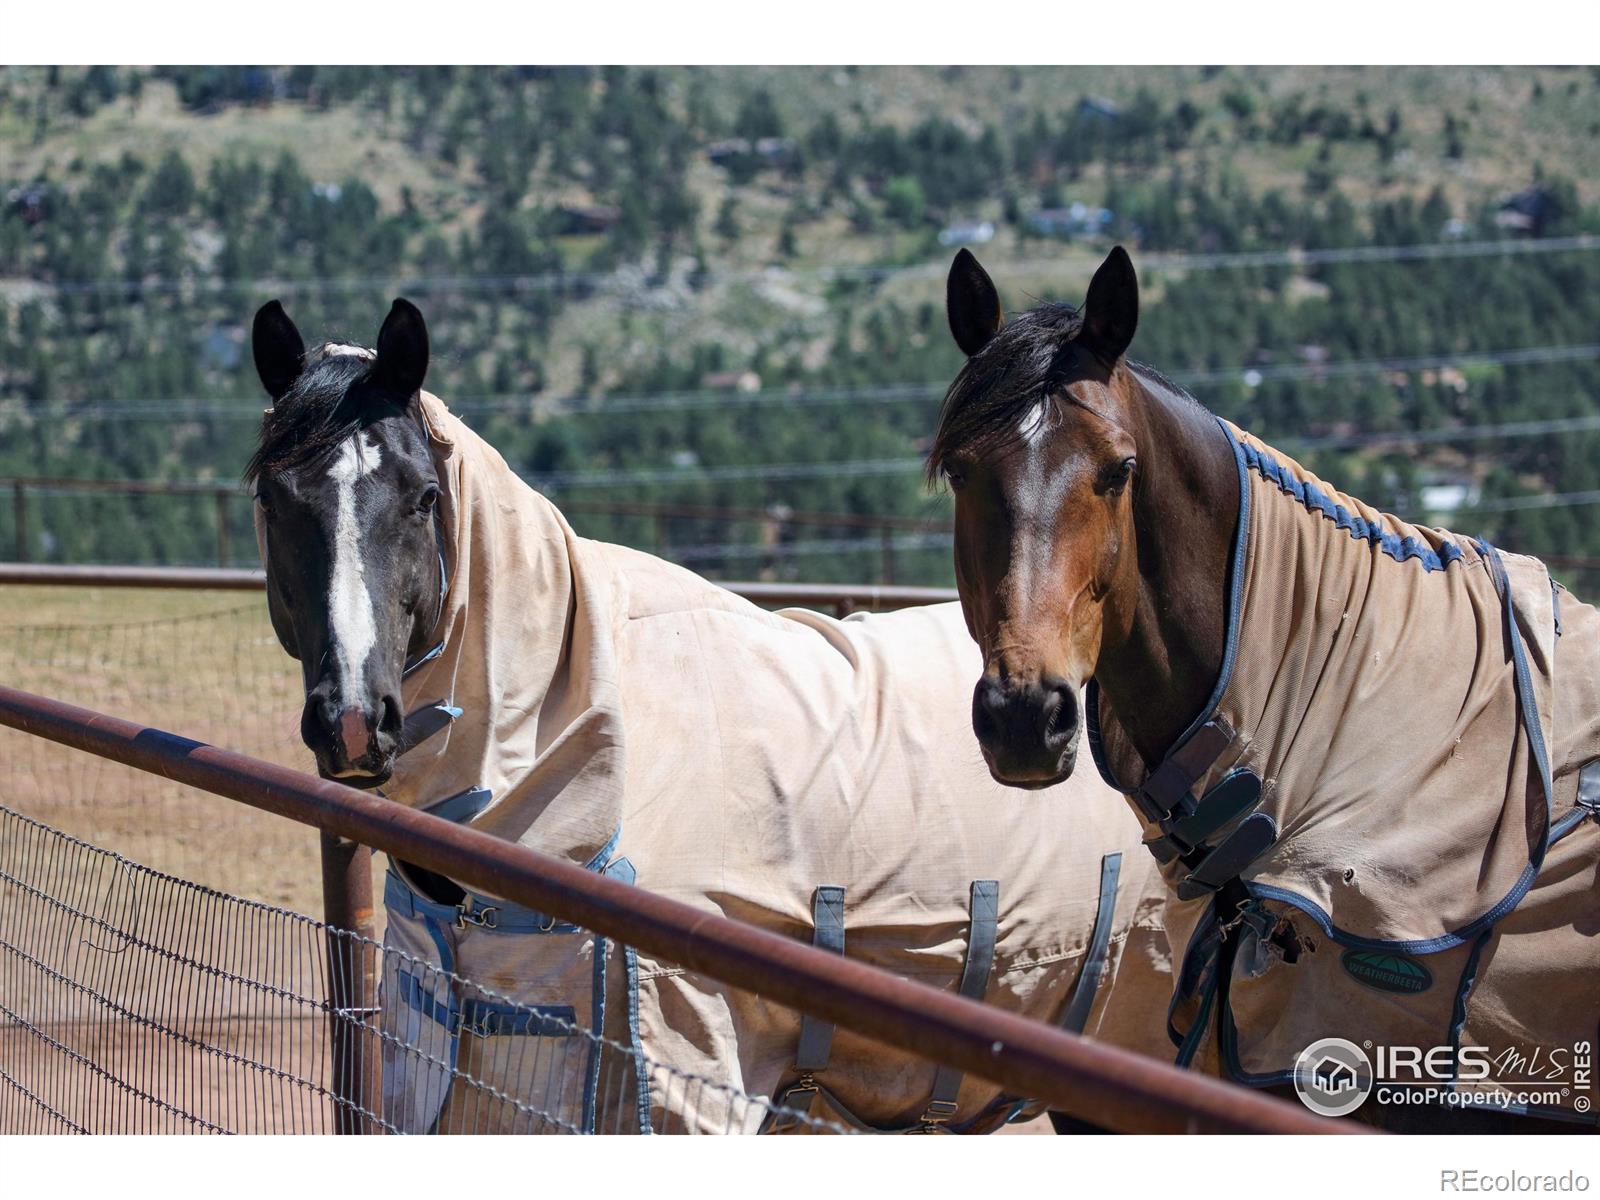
pixel 403 349
pixel 277 348
pixel 971 303
pixel 1111 310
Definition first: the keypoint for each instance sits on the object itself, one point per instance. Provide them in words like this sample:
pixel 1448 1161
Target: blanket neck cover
pixel 526 651
pixel 1375 762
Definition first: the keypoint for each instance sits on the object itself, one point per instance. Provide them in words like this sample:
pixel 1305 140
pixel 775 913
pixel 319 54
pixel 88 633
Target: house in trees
pixel 1529 212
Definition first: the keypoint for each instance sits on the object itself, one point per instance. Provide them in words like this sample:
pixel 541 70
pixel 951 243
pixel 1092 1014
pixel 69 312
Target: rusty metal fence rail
pixel 1097 1082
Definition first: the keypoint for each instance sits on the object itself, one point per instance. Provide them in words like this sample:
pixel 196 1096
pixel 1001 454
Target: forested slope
pixel 722 287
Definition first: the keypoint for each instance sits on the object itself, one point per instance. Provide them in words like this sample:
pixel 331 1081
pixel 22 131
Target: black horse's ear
pixel 971 303
pixel 278 350
pixel 1111 310
pixel 403 349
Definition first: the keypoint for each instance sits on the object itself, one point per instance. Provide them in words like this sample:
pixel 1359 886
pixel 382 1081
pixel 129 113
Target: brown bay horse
pixel 1365 753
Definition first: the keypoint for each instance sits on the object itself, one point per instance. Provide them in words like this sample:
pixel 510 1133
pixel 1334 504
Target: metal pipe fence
pixel 841 598
pixel 1075 1075
pixel 209 925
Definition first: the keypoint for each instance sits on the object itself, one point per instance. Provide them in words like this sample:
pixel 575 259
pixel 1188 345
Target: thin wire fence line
pixel 206 949
pixel 807 397
pixel 20 291
pixel 892 466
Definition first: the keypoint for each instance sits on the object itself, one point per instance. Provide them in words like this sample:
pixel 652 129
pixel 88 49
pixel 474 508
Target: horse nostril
pixel 319 721
pixel 988 704
pixel 1058 711
pixel 390 719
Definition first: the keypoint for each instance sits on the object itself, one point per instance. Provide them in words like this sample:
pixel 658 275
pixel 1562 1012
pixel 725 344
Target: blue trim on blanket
pixel 597 993
pixel 1230 648
pixel 1197 976
pixel 1317 501
pixel 1458 1009
pixel 400 897
pixel 447 964
pixel 1445 941
pixel 427 656
pixel 623 869
pixel 463 806
pixel 630 958
pixel 1567 824
pixel 488 1018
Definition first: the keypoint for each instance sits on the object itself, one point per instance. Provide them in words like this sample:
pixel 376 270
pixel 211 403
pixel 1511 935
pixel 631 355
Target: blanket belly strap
pixel 816 1035
pixel 1075 1017
pixel 984 906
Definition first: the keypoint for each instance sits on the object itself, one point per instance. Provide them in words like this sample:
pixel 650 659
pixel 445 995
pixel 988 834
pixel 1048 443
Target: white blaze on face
pixel 351 622
pixel 1038 498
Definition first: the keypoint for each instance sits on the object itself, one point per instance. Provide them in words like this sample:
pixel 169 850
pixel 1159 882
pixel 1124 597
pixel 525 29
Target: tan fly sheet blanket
pixel 1391 763
pixel 624 713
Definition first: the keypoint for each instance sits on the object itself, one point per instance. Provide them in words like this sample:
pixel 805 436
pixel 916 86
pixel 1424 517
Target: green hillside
pixel 722 286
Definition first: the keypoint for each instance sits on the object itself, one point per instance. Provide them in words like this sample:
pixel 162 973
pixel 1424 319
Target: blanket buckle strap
pixel 1165 795
pixel 487 917
pixel 1588 798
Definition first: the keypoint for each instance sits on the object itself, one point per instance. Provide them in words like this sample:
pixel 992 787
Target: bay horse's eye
pixel 1115 477
pixel 954 476
pixel 430 497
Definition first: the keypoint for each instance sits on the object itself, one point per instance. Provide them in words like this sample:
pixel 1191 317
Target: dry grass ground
pixel 201 664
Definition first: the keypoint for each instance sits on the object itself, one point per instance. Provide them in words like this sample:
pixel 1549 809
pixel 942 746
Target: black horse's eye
pixel 1115 477
pixel 430 497
pixel 265 501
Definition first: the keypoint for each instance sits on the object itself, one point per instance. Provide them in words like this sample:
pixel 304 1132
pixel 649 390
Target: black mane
pixel 317 413
pixel 1004 380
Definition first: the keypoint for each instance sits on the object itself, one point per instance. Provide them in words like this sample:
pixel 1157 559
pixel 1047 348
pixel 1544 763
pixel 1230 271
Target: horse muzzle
pixel 1028 731
pixel 352 745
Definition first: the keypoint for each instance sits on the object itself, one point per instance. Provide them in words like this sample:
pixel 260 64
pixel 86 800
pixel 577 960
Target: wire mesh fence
pixel 206 663
pixel 132 1001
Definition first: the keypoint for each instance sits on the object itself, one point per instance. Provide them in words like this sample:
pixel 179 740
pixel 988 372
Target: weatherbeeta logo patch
pixel 1387 972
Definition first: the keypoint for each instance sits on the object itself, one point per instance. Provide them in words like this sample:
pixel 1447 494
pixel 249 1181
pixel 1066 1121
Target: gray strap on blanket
pixel 426 721
pixel 981 931
pixel 1076 1015
pixel 816 1035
